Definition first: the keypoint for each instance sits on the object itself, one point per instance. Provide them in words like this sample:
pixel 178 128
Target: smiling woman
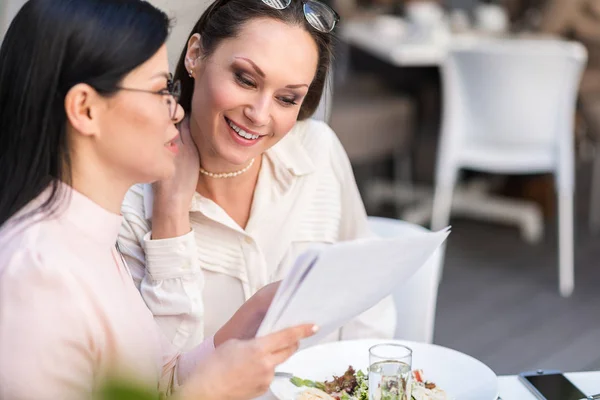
pixel 255 71
pixel 257 181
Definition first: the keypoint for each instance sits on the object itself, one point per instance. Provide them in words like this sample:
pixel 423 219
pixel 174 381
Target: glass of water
pixel 390 372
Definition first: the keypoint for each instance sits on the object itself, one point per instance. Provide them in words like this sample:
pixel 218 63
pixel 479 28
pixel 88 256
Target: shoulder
pixel 34 260
pixel 313 134
pixel 318 141
pixel 33 235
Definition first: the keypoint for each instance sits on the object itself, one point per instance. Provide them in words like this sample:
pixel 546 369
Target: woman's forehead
pixel 270 43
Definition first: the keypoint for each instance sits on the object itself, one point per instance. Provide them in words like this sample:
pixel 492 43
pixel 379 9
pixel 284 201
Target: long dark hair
pixel 225 18
pixel 51 46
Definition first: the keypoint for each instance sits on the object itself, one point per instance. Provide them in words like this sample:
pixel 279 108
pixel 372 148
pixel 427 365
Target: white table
pixel 400 47
pixel 396 49
pixel 512 389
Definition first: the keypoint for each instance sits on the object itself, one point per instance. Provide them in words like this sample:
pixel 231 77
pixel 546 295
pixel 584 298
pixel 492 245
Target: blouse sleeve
pixel 166 272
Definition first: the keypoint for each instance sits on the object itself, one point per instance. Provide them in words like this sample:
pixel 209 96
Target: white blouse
pixel 306 195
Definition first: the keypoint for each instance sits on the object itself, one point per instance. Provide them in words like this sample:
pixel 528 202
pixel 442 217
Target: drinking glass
pixel 390 372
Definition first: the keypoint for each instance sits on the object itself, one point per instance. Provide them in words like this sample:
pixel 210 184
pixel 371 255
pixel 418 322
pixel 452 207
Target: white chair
pixel 416 299
pixel 509 108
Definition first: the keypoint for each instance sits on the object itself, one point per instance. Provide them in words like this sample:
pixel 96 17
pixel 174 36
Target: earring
pixel 190 72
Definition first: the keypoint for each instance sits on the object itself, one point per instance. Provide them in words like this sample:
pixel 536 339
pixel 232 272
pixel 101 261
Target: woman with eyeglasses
pixel 87 109
pixel 257 183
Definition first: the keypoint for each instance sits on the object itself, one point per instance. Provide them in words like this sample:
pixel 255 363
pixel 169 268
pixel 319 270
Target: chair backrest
pixel 512 91
pixel 415 299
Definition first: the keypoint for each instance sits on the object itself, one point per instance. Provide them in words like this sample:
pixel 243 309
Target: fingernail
pixel 315 328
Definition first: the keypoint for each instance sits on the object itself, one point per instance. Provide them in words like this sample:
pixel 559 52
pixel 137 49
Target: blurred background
pixel 484 115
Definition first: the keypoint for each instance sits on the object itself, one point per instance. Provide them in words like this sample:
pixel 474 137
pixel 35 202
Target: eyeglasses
pixel 173 92
pixel 319 15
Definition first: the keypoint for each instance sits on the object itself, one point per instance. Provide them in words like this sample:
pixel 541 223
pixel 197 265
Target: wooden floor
pixel 499 298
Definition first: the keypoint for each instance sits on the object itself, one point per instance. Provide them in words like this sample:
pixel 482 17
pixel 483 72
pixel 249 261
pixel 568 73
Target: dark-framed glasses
pixel 319 15
pixel 172 94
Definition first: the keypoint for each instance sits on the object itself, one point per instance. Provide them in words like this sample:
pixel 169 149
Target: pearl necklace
pixel 226 174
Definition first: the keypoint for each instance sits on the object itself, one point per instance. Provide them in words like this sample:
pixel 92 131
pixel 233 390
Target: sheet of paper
pixel 290 284
pixel 336 283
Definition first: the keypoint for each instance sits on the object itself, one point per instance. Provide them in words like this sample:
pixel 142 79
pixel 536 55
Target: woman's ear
pixel 193 54
pixel 81 107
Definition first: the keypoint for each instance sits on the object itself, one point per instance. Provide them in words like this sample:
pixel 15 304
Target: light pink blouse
pixel 70 315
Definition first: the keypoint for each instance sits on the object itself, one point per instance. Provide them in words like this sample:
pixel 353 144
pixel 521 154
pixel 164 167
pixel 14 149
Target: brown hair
pixel 225 18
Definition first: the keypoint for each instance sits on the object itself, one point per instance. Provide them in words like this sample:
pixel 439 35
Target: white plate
pixel 460 375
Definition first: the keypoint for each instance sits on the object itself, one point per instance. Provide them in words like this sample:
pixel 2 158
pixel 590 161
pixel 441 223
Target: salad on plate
pixel 354 385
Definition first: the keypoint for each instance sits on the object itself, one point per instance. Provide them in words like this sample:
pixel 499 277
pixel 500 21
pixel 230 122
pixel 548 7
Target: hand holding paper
pixel 334 284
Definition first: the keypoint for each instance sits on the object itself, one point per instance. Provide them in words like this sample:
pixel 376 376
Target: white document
pixel 333 284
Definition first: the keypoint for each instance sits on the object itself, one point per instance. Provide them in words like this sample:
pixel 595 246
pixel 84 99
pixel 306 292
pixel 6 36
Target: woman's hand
pixel 244 369
pixel 246 321
pixel 173 196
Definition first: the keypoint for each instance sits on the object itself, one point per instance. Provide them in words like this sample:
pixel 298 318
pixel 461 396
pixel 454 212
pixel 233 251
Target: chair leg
pixel 566 274
pixel 594 211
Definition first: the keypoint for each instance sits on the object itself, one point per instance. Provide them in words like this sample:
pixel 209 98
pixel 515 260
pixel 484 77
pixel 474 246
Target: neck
pixel 227 174
pixel 229 188
pixel 101 185
pixel 233 195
